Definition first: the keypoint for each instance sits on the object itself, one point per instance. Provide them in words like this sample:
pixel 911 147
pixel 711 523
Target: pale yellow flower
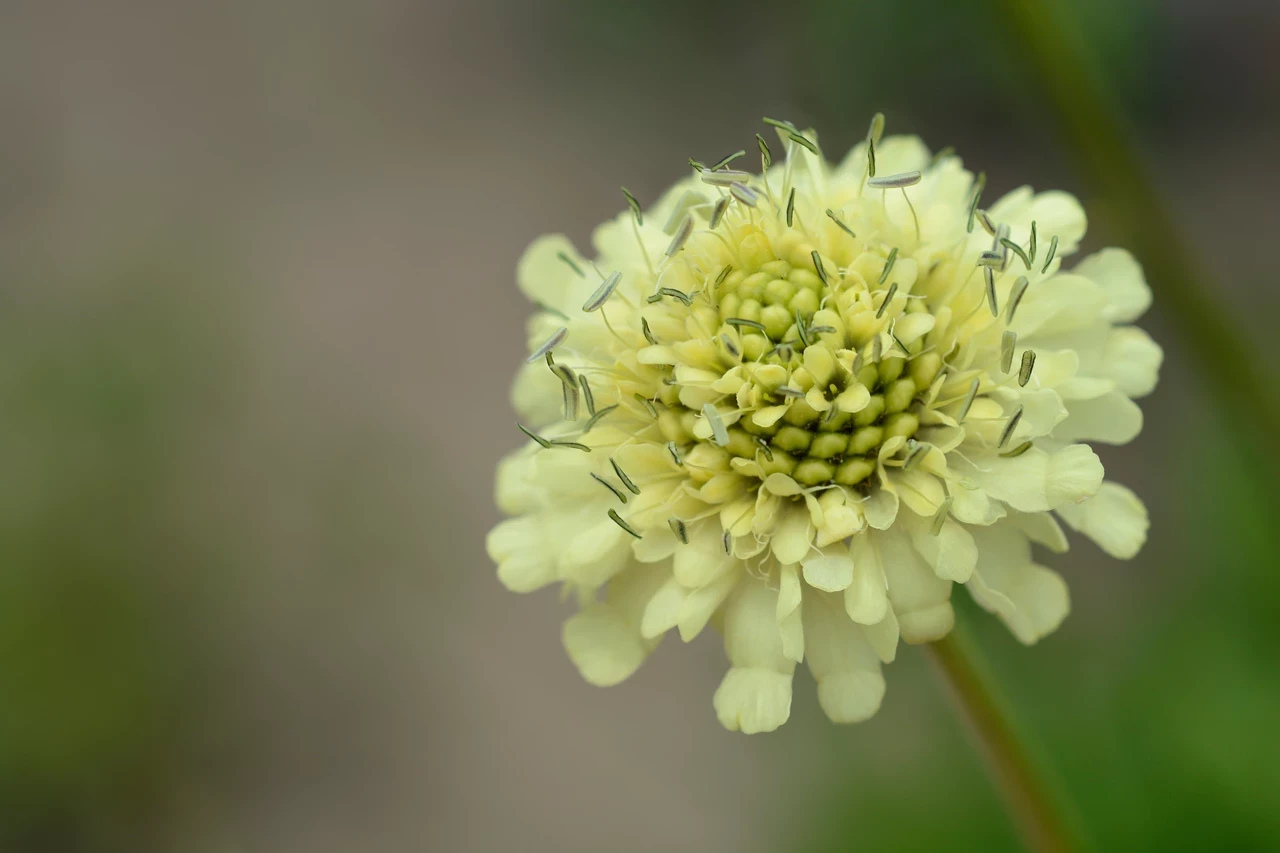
pixel 801 406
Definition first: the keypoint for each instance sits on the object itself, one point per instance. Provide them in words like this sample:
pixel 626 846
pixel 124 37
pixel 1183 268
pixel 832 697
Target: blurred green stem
pixel 1030 800
pixel 1053 51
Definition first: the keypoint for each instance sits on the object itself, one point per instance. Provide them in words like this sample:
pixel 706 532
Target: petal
pixel 952 553
pixel 755 695
pixel 1037 481
pixel 866 600
pixel 700 605
pixel 660 615
pixel 791 542
pixel 1030 599
pixel 850 684
pixel 543 277
pixel 1121 278
pixel 603 640
pixel 517 546
pixel 1056 213
pixel 788 614
pixel 921 600
pixel 830 571
pixel 1112 419
pixel 1115 518
pixel 1132 360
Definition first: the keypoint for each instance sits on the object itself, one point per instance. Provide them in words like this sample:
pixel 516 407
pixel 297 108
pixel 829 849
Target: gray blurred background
pixel 258 328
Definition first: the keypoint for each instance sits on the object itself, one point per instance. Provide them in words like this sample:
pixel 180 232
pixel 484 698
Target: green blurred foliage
pixel 104 386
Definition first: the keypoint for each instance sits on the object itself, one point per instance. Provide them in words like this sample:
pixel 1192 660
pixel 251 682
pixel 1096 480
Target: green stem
pixel 1030 800
pixel 1099 136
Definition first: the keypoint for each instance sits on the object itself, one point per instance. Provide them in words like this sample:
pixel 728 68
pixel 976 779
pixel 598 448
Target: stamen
pixel 570 383
pixel 968 400
pixel 817 265
pixel 744 194
pixel 586 393
pixel 653 297
pixel 648 333
pixel 617 519
pixel 800 329
pixel 568 260
pixel 698 165
pixel 1012 246
pixel 551 343
pixel 622 475
pixel 1007 342
pixel 764 448
pixel 978 186
pixel 542 441
pixel 648 405
pixel 766 156
pixel 574 445
pixel 1053 250
pixel 682 234
pixel 871 157
pixel 725 161
pixel 1017 451
pixel 788 391
pixel 893 289
pixel 674 450
pixel 594 419
pixel 676 294
pixel 678 528
pixel 791 206
pixel 724 177
pixel 719 433
pixel 915 453
pixel 1010 427
pixel 799 139
pixel 781 124
pixel 845 228
pixel 718 211
pixel 724 273
pixel 740 322
pixel 985 221
pixel 1015 297
pixel 822 330
pixel 1031 248
pixel 1028 364
pixel 990 276
pixel 893 182
pixel 610 486
pixel 726 541
pixel 990 259
pixel 888 265
pixel 635 206
pixel 730 347
pixel 940 517
pixel 603 292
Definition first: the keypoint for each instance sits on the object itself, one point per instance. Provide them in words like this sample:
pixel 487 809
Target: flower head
pixel 802 405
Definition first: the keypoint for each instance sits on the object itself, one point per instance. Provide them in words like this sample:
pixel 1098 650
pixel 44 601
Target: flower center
pixel 801 363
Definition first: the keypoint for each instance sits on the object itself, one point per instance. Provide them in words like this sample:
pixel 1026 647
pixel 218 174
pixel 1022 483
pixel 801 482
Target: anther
pixel 766 156
pixel 730 346
pixel 888 265
pixel 968 400
pixel 893 182
pixel 648 333
pixel 724 273
pixel 603 292
pixel 724 177
pixel 1031 247
pixel 739 321
pixel 845 228
pixel 676 294
pixel 717 212
pixel 978 186
pixel 800 139
pixel 781 124
pixel 788 391
pixel 719 433
pixel 1014 247
pixel 594 419
pixel 635 206
pixel 893 289
pixel 1007 342
pixel 682 234
pixel 551 343
pixel 765 449
pixel 572 445
pixel 610 486
pixel 1028 364
pixel 622 475
pixel 586 394
pixel 726 542
pixel 1053 250
pixel 1010 427
pixel 725 161
pixel 1015 296
pixel 791 206
pixel 990 276
pixel 568 260
pixel 679 529
pixel 744 194
pixel 990 259
pixel 985 221
pixel 542 441
pixel 1017 451
pixel 940 517
pixel 817 265
pixel 674 450
pixel 647 403
pixel 617 519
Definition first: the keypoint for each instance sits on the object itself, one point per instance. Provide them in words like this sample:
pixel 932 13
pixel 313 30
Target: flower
pixel 802 405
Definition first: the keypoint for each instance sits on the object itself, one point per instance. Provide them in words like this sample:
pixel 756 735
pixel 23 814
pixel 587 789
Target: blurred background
pixel 257 332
